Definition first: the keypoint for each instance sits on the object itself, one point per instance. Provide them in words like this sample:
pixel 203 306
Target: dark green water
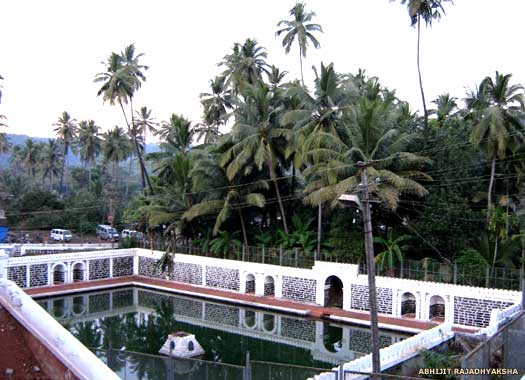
pixel 140 320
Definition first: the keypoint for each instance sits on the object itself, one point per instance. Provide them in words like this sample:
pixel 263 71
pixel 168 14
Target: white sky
pixel 51 50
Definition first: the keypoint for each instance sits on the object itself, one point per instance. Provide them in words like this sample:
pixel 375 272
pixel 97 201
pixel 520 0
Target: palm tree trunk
pixel 61 190
pixel 273 177
pixel 319 226
pixel 496 246
pixel 142 167
pixel 243 228
pixel 301 62
pixel 491 185
pixel 137 149
pixel 425 112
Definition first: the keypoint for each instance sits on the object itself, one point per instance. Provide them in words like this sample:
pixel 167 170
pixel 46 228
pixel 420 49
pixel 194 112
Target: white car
pixel 58 234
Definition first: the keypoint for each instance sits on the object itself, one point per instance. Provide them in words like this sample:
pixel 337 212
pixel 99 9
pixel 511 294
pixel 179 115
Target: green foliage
pixel 437 360
pixel 226 244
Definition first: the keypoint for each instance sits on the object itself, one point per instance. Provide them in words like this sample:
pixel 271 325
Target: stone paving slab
pixel 269 302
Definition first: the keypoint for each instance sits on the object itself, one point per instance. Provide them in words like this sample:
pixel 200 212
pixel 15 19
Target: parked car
pixel 127 233
pixel 106 232
pixel 58 234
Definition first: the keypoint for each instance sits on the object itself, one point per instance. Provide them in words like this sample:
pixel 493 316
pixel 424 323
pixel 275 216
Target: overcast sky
pixel 51 50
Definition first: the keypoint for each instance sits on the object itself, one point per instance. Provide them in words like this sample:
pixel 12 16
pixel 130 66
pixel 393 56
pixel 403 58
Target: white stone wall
pixel 463 305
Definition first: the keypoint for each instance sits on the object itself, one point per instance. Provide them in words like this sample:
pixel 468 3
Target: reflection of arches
pixel 79 271
pixel 269 323
pixel 437 308
pixel 59 308
pixel 333 292
pixel 249 319
pixel 269 286
pixel 59 273
pixel 332 337
pixel 408 305
pixel 79 305
pixel 250 283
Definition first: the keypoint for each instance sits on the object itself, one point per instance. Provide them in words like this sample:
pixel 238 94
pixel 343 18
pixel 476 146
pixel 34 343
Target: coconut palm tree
pixel 5 145
pixel 446 106
pixel 116 148
pixel 245 65
pixel 178 132
pixel 392 249
pixel 89 142
pixel 229 197
pixel 122 78
pixel 144 122
pixel 299 28
pixel 257 139
pixel 427 11
pixel 66 131
pixel 216 105
pixel 498 116
pixel 30 155
pixel 51 160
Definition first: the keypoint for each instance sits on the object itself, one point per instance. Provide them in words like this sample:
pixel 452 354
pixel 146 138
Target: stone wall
pixel 188 273
pixel 148 267
pixel 475 312
pixel 122 298
pixel 223 278
pixel 250 286
pixel 122 266
pixel 269 288
pixel 98 269
pixel 299 289
pixel 359 299
pixel 361 341
pixel 38 275
pixel 17 275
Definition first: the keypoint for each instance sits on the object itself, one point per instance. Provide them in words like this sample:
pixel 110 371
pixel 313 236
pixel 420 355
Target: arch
pixel 79 271
pixel 437 308
pixel 250 283
pixel 332 337
pixel 59 273
pixel 269 286
pixel 250 319
pixel 79 305
pixel 269 324
pixel 333 292
pixel 408 305
pixel 59 309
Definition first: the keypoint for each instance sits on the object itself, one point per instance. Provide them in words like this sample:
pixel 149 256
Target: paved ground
pixel 270 302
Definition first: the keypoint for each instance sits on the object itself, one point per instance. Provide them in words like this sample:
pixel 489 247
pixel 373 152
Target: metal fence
pixel 137 366
pixel 504 350
pixel 423 270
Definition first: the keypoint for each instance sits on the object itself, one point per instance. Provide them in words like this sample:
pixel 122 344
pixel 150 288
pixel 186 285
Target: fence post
pixel 281 256
pixel 487 277
pixel 263 254
pixel 340 371
pixel 243 251
pixel 296 258
pixel 401 266
pixel 455 273
pixel 247 367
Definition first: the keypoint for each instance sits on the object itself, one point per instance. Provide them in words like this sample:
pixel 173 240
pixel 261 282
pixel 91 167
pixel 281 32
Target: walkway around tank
pixel 245 299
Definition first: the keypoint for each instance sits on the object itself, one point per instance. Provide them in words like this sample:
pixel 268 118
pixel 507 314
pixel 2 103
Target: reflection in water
pixel 140 320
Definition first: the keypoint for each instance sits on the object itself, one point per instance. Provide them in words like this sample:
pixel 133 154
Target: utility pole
pixel 370 264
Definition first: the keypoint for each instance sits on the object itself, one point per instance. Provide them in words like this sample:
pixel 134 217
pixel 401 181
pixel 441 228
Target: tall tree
pixel 178 132
pixel 51 160
pixel 299 28
pixel 144 123
pixel 89 142
pixel 222 197
pixel 116 148
pixel 122 78
pixel 257 139
pixel 244 65
pixel 30 155
pixel 427 11
pixel 66 131
pixel 216 105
